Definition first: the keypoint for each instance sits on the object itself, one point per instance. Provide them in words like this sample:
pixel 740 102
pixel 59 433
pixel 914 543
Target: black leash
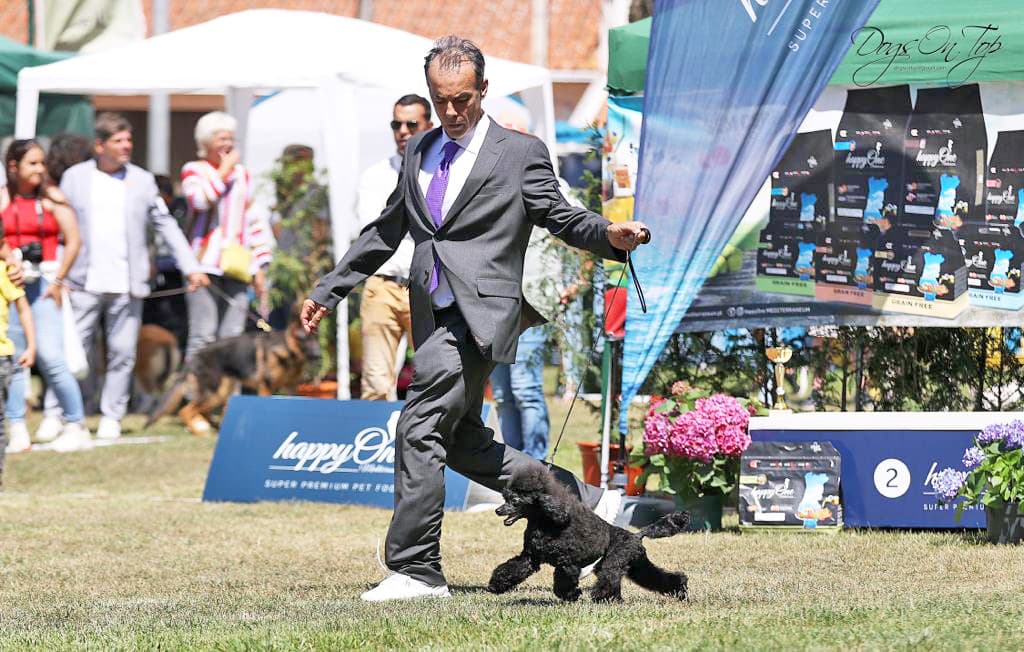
pixel 590 361
pixel 251 314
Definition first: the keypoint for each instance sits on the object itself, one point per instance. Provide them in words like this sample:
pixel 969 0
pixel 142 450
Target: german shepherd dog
pixel 263 362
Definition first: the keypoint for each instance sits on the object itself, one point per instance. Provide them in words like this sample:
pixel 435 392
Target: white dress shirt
pixel 108 237
pixel 375 186
pixel 462 165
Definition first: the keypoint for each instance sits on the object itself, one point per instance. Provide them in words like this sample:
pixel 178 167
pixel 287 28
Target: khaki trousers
pixel 384 312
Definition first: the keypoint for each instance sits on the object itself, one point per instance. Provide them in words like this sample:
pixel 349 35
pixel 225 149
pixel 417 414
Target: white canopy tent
pixel 352 71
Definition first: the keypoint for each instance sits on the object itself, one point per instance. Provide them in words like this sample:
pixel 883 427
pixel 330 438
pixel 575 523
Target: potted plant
pixel 303 252
pixel 994 478
pixel 692 443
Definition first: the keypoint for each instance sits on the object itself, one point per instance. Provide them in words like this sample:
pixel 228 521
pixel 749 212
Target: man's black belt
pixel 401 280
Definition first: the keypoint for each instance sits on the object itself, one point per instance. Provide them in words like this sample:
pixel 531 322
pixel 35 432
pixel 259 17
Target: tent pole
pixel 27 108
pixel 158 142
pixel 341 151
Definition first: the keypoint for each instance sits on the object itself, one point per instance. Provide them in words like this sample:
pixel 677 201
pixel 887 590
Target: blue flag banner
pixel 728 84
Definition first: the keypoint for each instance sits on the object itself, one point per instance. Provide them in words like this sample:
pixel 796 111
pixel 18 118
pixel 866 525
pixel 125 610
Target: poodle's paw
pixel 499 585
pixel 605 595
pixel 569 596
pixel 678 589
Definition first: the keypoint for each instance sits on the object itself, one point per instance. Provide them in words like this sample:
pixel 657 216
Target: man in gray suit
pixel 116 202
pixel 469 194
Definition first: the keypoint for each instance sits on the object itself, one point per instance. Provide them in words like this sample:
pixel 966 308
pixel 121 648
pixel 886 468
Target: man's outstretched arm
pixel 374 246
pixel 578 227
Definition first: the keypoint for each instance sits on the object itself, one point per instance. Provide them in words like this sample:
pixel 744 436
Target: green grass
pixel 111 549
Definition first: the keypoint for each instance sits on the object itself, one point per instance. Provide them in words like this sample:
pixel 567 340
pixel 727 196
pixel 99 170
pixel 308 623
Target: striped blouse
pixel 232 222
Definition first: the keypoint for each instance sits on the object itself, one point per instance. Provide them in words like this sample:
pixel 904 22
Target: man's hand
pixel 627 236
pixel 311 314
pixel 197 280
pixel 53 292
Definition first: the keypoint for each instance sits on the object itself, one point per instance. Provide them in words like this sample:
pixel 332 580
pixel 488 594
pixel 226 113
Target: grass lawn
pixel 111 549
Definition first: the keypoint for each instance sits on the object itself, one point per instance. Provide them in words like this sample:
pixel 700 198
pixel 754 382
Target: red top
pixel 21 215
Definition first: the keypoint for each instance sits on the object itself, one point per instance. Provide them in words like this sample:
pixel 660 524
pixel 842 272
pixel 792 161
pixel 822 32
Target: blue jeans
pixel 519 393
pixel 49 357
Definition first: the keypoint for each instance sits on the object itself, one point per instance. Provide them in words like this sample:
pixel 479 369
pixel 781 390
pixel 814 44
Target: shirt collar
pixel 473 139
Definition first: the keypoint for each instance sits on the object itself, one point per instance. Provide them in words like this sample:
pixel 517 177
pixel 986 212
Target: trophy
pixel 779 355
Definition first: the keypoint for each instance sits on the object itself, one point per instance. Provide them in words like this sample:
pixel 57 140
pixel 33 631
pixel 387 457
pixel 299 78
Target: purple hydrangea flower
pixel 973 457
pixel 1010 434
pixel 947 483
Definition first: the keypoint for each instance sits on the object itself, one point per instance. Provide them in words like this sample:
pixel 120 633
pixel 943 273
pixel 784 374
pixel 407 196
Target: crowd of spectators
pixel 88 236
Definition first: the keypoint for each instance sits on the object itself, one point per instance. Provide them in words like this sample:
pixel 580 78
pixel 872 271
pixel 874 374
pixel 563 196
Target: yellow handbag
pixel 236 262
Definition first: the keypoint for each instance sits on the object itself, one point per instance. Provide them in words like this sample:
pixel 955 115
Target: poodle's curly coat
pixel 562 532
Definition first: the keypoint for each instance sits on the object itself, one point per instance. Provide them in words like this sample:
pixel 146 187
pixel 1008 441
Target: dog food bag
pixel 802 182
pixel 868 160
pixel 922 263
pixel 1004 187
pixel 787 250
pixel 792 485
pixel 846 254
pixel 946 146
pixel 995 257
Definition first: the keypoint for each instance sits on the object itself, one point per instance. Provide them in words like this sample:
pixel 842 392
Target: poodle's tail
pixel 666 526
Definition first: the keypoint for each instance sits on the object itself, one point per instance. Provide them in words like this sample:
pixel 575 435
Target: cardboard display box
pixel 794 485
pixel 920 271
pixel 846 261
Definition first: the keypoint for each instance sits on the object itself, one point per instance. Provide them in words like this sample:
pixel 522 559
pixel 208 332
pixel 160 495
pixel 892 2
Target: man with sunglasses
pixel 384 310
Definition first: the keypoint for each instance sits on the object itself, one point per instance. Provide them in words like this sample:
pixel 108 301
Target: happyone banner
pixel 728 83
pixel 289 448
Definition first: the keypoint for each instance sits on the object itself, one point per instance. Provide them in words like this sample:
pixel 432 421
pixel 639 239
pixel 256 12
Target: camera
pixel 32 252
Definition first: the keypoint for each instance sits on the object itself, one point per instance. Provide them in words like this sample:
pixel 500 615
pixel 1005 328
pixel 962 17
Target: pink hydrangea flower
pixel 656 432
pixel 730 423
pixel 693 436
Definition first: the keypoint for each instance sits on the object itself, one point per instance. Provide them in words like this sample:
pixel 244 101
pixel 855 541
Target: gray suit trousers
pixel 440 424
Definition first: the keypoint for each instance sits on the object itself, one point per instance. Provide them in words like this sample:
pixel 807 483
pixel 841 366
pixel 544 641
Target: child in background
pixel 10 294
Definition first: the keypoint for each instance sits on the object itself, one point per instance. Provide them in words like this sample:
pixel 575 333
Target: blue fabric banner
pixel 728 83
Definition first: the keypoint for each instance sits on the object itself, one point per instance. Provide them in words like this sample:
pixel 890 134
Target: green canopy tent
pixel 56 112
pixel 992 51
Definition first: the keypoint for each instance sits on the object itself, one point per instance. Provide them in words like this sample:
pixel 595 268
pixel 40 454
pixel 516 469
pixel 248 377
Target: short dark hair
pixel 451 51
pixel 164 185
pixel 107 124
pixel 412 98
pixel 66 149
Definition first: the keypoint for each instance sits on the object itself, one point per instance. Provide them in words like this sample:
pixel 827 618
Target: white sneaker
pixel 74 438
pixel 402 587
pixel 108 428
pixel 18 440
pixel 48 429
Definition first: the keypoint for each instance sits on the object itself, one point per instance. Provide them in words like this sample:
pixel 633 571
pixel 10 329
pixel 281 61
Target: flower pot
pixel 590 452
pixel 1005 523
pixel 323 389
pixel 632 475
pixel 705 512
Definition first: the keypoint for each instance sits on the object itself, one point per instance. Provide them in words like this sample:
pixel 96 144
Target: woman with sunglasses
pixel 37 219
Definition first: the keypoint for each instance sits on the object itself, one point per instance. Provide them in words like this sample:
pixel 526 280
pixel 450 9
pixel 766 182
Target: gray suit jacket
pixel 482 242
pixel 143 206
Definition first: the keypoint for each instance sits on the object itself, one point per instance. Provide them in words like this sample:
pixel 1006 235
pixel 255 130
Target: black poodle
pixel 562 532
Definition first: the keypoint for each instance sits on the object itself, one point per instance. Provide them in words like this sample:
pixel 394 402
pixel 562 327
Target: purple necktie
pixel 435 199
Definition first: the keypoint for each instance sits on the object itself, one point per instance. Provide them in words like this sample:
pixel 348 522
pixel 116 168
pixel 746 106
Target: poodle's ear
pixel 554 509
